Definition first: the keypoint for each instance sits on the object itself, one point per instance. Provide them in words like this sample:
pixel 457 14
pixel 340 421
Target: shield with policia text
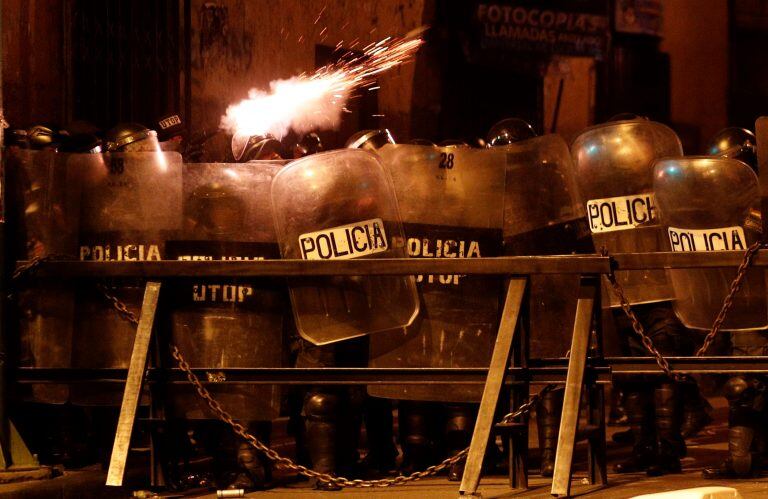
pixel 341 205
pixel 43 222
pixel 130 207
pixel 543 215
pixel 614 170
pixel 711 204
pixel 220 322
pixel 451 201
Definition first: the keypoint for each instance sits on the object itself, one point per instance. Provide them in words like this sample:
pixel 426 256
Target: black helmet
pixel 453 143
pixel 16 137
pixel 422 142
pixel 734 142
pixel 627 117
pixel 124 134
pixel 309 144
pixel 169 126
pixel 508 131
pixel 370 140
pixel 82 143
pixel 255 147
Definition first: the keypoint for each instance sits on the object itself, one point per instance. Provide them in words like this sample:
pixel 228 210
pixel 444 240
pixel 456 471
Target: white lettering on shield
pixel 720 239
pixel 621 213
pixel 344 242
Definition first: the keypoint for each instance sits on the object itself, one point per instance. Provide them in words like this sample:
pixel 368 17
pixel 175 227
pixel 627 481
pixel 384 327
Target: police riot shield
pixel 41 222
pixel 451 201
pixel 222 323
pixel 341 205
pixel 614 169
pixel 543 215
pixel 711 204
pixel 130 207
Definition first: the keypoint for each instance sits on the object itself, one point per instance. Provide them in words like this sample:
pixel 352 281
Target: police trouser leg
pixel 416 422
pixel 379 428
pixel 548 413
pixel 458 434
pixel 321 425
pixel 670 446
pixel 255 468
pixel 639 409
pixel 746 400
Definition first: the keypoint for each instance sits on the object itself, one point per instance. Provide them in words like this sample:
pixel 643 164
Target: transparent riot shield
pixel 451 201
pixel 613 163
pixel 341 205
pixel 130 207
pixel 222 323
pixel 711 204
pixel 42 222
pixel 543 215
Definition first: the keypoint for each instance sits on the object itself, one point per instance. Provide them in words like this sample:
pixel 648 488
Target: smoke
pixel 315 101
pixel 299 103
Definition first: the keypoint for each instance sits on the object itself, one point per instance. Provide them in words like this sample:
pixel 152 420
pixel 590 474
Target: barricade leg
pixel 588 292
pixel 496 372
pixel 133 385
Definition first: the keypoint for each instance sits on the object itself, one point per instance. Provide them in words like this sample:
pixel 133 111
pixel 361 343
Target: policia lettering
pixel 346 241
pixel 721 239
pixel 621 213
pixel 120 252
pixel 441 248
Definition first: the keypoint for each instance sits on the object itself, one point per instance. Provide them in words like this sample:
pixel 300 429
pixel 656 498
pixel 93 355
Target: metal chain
pixel 119 306
pixel 528 406
pixel 32 265
pixel 286 463
pixel 648 342
pixel 728 302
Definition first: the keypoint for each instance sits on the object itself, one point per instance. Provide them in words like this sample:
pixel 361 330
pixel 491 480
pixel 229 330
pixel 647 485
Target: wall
pixel 33 66
pixel 696 38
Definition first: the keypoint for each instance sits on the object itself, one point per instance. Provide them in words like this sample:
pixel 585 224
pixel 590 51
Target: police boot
pixel 415 435
pixel 379 430
pixel 746 402
pixel 548 421
pixel 321 413
pixel 670 446
pixel 637 405
pixel 255 468
pixel 696 410
pixel 458 435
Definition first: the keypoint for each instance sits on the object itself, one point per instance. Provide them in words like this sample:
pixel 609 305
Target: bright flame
pixel 316 100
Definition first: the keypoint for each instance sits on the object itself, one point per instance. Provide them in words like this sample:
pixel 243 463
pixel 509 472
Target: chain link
pixel 528 406
pixel 286 463
pixel 638 328
pixel 728 302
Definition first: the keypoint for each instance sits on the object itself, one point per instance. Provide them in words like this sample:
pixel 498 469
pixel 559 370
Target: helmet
pixel 255 147
pixel 509 130
pixel 42 137
pixel 370 140
pixel 627 117
pixel 309 144
pixel 453 143
pixel 169 127
pixel 123 135
pixel 734 142
pixel 422 142
pixel 81 142
pixel 16 137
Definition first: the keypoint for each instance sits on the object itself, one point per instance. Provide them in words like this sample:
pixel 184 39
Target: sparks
pixel 313 101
